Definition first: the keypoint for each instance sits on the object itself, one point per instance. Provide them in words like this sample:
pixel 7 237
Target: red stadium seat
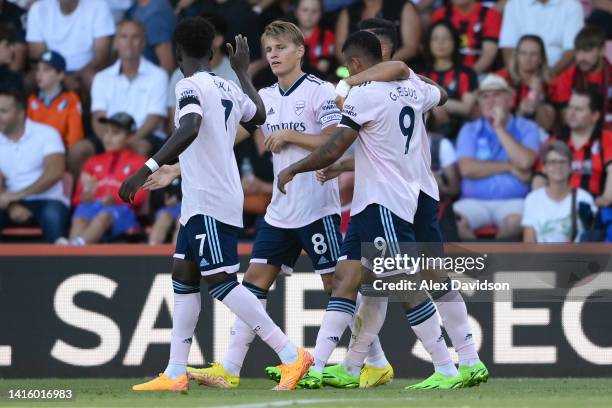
pixel 488 231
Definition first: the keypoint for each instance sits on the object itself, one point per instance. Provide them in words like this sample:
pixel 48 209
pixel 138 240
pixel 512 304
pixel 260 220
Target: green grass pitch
pixel 255 393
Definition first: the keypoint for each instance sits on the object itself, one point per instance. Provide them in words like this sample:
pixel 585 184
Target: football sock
pixel 337 317
pixel 241 336
pixel 453 311
pixel 187 305
pixel 244 304
pixel 426 326
pixel 371 316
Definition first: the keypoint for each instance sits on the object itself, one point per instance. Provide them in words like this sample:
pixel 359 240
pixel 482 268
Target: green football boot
pixel 438 381
pixel 474 375
pixel 337 376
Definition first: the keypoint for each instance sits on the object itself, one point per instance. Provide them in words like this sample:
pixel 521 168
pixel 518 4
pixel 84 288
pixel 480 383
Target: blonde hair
pixel 284 29
pixel 543 71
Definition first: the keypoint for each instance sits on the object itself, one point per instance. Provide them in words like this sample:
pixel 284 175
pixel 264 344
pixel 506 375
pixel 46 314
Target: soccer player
pixel 382 117
pixel 301 116
pixel 208 112
pixel 450 303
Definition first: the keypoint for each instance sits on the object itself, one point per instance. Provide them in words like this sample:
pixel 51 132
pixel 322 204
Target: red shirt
pixel 589 163
pixel 478 25
pixel 520 90
pixel 320 45
pixel 110 169
pixel 457 80
pixel 572 78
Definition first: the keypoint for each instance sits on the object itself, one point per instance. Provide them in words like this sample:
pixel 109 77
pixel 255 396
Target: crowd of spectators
pixel 522 149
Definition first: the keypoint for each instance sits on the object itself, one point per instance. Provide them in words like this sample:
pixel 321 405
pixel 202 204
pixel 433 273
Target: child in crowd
pixel 167 217
pixel 100 214
pixel 54 105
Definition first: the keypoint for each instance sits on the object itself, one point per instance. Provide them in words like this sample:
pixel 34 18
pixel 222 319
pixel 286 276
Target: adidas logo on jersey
pixel 323 260
pixel 204 263
pixel 334 339
pixel 271 111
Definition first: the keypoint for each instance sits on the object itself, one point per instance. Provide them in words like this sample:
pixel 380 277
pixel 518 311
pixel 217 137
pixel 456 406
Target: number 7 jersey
pixel 210 179
pixel 392 144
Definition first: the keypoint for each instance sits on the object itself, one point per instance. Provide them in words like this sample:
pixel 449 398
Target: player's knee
pixel 327 284
pixel 261 275
pixel 345 283
pixel 185 271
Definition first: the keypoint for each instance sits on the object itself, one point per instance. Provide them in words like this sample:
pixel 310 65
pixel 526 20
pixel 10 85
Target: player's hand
pixel 277 141
pixel 161 178
pixel 340 102
pixel 328 173
pixel 284 177
pixel 240 59
pixel 18 213
pixel 128 189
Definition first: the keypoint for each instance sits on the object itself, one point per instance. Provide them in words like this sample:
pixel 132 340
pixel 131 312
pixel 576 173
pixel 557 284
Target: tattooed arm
pixel 325 155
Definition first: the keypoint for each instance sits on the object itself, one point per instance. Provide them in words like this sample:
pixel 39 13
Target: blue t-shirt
pixel 159 21
pixel 478 140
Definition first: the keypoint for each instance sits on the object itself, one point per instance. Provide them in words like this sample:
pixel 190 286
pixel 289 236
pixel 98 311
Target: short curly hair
pixel 195 36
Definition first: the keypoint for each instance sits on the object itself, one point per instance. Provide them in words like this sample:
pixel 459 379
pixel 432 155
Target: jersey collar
pixel 292 87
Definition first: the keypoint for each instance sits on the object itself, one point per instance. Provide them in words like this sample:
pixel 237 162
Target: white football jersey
pixel 392 144
pixel 210 179
pixel 427 180
pixel 308 106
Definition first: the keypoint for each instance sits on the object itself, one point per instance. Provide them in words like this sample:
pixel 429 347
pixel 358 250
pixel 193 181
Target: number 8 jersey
pixel 210 179
pixel 390 155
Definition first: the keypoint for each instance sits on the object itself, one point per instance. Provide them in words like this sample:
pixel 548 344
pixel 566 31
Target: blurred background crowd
pixel 522 151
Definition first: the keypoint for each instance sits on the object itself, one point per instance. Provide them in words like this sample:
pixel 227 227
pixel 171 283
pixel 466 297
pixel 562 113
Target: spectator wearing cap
pixel 478 27
pixel 32 163
pixel 555 21
pixel 549 216
pixel 14 16
pixel 591 70
pixel 80 29
pixel 8 77
pixel 100 213
pixel 53 104
pixel 496 153
pixel 132 85
pixel 158 19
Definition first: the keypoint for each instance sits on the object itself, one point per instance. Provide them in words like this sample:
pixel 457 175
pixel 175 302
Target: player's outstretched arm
pixel 344 164
pixel 325 155
pixel 239 61
pixel 182 137
pixel 280 138
pixel 163 177
pixel 383 72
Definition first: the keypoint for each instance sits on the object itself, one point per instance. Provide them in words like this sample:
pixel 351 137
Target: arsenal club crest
pixel 299 107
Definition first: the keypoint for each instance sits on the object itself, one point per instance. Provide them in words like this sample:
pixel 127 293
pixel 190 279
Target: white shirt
pixel 551 219
pixel 71 35
pixel 447 154
pixel 308 106
pixel 143 95
pixel 391 165
pixel 22 161
pixel 210 179
pixel 557 22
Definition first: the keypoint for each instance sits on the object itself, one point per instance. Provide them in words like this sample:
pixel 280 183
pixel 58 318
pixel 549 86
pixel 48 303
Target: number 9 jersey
pixel 392 147
pixel 210 179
